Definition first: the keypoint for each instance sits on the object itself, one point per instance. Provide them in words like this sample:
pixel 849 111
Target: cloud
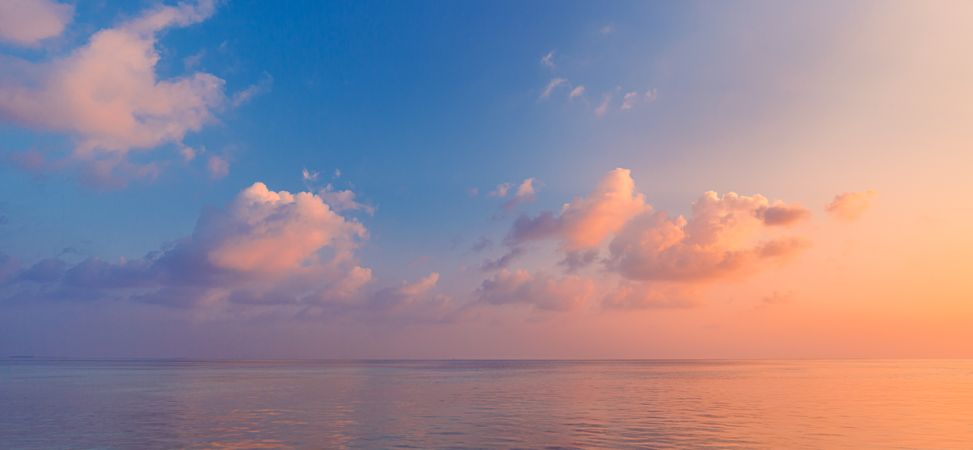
pixel 602 107
pixel 27 22
pixel 651 95
pixel 218 167
pixel 540 291
pixel 587 221
pixel 607 29
pixel 525 193
pixel 551 86
pixel 248 93
pixel 851 205
pixel 500 191
pixel 629 100
pixel 264 249
pixel 548 60
pixel 578 91
pixel 575 260
pixel 343 200
pixel 658 260
pixel 782 214
pixel 503 261
pixel 482 243
pixel 724 235
pixel 309 176
pixel 107 95
pixel 267 231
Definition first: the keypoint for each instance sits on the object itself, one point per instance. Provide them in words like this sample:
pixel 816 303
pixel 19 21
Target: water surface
pixel 486 404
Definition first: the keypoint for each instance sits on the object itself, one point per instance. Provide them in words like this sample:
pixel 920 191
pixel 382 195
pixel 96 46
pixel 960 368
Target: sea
pixel 175 404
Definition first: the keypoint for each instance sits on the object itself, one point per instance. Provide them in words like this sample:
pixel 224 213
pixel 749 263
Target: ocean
pixel 149 404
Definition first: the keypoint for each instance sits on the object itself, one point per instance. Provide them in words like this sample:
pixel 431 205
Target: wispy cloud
pixel 851 205
pixel 548 60
pixel 551 86
pixel 578 91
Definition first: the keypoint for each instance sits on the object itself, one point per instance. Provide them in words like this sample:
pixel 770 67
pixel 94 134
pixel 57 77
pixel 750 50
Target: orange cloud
pixel 587 221
pixel 851 205
pixel 724 235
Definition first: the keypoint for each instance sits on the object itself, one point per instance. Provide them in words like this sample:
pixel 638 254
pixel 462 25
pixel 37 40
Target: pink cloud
pixel 27 22
pixel 587 221
pixel 724 235
pixel 109 98
pixel 267 231
pixel 265 250
pixel 218 167
pixel 851 205
pixel 525 192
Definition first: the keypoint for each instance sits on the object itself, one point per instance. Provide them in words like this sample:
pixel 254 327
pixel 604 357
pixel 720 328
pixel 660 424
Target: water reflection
pixel 430 404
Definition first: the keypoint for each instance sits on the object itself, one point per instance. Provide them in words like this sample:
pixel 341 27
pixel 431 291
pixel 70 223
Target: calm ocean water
pixel 486 404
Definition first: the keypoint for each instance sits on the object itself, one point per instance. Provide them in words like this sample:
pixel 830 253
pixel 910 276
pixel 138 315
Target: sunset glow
pixel 571 180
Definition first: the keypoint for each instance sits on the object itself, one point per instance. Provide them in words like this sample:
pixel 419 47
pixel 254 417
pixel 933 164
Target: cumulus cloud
pixel 851 205
pixel 551 86
pixel 106 93
pixel 586 222
pixel 782 214
pixel 724 235
pixel 658 260
pixel 265 248
pixel 267 231
pixel 540 291
pixel 27 22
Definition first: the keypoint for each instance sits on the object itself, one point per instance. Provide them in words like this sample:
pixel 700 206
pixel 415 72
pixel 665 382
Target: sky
pixel 246 179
